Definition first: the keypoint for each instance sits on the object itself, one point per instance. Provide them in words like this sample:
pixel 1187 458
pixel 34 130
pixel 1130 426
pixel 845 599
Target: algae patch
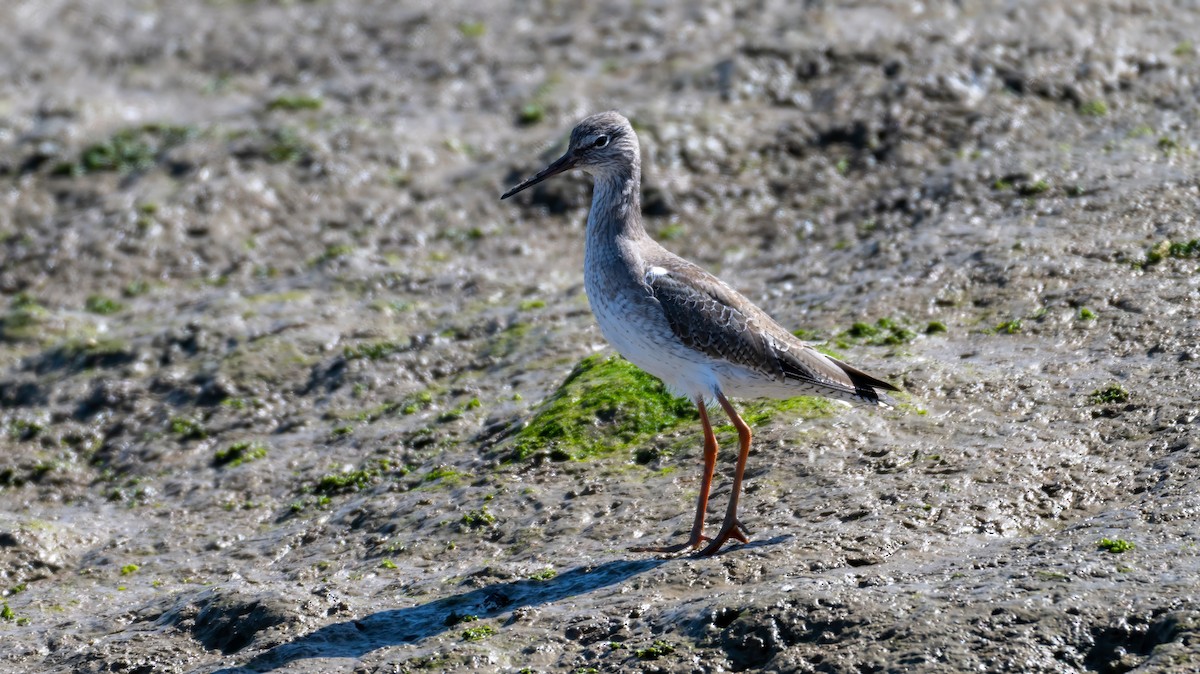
pixel 605 404
pixel 884 332
pixel 1115 545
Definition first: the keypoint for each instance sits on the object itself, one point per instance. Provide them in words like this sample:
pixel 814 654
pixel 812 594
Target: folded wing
pixel 709 316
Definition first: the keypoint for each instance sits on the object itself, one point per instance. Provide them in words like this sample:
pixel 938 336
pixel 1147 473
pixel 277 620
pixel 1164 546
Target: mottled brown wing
pixel 709 316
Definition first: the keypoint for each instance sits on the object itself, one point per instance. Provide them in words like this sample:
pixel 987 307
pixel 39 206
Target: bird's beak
pixel 563 163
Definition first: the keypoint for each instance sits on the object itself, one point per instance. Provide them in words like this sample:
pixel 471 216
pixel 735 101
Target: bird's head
pixel 601 144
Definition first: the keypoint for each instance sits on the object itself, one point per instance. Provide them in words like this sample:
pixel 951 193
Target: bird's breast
pixel 633 322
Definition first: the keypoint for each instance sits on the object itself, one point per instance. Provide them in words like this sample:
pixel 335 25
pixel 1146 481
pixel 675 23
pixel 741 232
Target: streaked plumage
pixel 680 323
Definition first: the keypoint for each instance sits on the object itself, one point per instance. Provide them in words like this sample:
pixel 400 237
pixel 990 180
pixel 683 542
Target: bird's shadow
pixel 355 638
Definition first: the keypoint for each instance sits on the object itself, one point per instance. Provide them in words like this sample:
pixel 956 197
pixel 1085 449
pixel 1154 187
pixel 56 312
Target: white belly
pixel 633 323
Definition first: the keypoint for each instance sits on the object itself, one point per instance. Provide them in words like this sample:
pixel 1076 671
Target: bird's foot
pixel 730 529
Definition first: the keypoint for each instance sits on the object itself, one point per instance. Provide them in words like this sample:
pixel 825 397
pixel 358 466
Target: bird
pixel 683 325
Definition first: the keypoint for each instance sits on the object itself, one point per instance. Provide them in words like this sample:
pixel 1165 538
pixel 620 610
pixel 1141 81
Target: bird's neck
pixel 616 208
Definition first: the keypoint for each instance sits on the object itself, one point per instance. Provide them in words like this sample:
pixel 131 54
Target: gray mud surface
pixel 267 335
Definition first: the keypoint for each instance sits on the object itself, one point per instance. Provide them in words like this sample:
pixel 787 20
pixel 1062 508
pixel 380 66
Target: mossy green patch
pixel 472 29
pixel 671 232
pixel 1115 545
pixel 935 327
pixel 129 569
pixel 477 519
pixel 136 288
pixel 294 102
pixel 447 475
pixel 24 429
pixel 655 651
pixel 544 574
pixel 188 429
pixel 373 350
pixel 1086 314
pixel 604 405
pixel 1094 108
pixel 478 632
pixel 24 318
pixel 1109 395
pixel 350 480
pixel 332 252
pixel 1172 249
pixel 239 453
pixel 456 413
pixel 531 113
pixel 758 412
pixel 1008 327
pixel 368 415
pixel 417 402
pixel 128 150
pixel 99 304
pixel 284 146
pixel 883 332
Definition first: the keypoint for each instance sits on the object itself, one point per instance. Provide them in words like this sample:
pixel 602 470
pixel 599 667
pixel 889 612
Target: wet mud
pixel 284 387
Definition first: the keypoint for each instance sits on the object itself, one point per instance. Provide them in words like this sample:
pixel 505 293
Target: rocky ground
pixel 284 387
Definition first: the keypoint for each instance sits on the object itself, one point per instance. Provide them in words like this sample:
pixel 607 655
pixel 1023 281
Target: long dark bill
pixel 563 163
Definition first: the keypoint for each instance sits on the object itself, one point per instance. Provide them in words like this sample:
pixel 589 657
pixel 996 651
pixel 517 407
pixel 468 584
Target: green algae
pixel 373 350
pixel 1115 545
pixel 1007 327
pixel 1094 108
pixel 128 150
pixel 478 633
pixel 883 332
pixel 1179 250
pixel 350 480
pixel 1109 395
pixel 294 102
pixel 605 404
pixel 446 474
pixel 544 574
pixel 188 429
pixel 477 519
pixel 239 453
pixel 655 651
pixel 23 321
pixel 758 412
pixel 416 403
pixel 99 304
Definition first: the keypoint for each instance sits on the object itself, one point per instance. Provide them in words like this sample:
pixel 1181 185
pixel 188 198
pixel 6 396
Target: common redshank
pixel 680 323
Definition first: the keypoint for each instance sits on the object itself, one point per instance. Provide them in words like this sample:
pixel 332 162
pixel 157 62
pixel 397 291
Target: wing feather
pixel 709 316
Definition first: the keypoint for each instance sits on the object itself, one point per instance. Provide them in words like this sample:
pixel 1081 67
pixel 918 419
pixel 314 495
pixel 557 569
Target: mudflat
pixel 284 386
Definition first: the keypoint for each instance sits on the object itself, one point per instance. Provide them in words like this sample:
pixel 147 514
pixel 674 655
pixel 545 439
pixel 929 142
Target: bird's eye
pixel 602 141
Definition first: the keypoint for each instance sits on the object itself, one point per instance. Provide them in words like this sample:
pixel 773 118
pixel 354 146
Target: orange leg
pixel 731 527
pixel 710 466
